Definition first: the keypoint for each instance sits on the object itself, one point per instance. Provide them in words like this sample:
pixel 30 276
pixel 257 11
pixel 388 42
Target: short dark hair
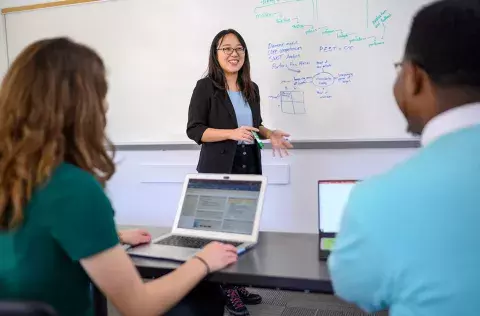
pixel 444 41
pixel 216 74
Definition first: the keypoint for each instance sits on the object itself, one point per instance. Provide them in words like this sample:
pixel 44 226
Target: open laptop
pixel 332 199
pixel 212 207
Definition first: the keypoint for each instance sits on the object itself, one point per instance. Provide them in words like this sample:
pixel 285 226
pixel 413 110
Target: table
pixel 287 261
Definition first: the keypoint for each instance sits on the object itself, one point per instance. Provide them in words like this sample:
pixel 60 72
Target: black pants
pixel 206 299
pixel 246 160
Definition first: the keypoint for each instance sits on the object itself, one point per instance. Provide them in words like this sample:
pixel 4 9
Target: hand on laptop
pixel 134 237
pixel 218 255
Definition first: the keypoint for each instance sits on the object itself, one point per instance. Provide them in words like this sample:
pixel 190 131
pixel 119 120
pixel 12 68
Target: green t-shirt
pixel 68 219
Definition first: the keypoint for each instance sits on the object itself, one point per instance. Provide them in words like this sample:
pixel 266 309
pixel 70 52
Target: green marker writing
pixel 259 142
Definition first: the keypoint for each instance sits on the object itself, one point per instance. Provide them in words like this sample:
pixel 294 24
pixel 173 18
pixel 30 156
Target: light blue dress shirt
pixel 242 109
pixel 409 239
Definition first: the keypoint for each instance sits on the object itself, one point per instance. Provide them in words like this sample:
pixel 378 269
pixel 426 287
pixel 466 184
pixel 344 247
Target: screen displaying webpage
pixel 219 205
pixel 333 198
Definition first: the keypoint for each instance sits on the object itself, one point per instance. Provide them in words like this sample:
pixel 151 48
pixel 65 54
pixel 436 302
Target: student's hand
pixel 134 237
pixel 243 133
pixel 279 143
pixel 218 255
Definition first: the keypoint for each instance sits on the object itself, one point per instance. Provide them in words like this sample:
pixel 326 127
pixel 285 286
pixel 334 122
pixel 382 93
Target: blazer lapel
pixel 228 104
pixel 255 113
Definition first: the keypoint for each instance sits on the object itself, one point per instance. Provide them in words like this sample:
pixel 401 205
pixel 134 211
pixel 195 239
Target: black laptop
pixel 332 199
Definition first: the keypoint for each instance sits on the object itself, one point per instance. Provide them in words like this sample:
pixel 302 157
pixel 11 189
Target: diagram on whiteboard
pixel 278 12
pixel 291 100
pixel 320 63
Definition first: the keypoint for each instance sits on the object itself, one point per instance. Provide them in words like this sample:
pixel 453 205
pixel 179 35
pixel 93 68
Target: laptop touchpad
pixel 166 252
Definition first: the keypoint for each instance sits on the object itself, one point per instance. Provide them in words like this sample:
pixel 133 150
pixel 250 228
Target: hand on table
pixel 218 255
pixel 134 237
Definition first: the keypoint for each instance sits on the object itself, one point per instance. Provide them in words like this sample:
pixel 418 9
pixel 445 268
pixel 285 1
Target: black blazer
pixel 211 107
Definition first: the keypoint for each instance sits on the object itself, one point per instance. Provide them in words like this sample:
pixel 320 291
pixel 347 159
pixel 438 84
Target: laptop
pixel 212 207
pixel 332 199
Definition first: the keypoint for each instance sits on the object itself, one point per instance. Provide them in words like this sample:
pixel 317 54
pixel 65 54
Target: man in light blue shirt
pixel 410 239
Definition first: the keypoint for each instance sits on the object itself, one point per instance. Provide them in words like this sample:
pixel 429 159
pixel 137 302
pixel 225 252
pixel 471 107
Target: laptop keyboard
pixel 191 242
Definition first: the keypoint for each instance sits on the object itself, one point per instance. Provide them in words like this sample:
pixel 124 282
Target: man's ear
pixel 414 78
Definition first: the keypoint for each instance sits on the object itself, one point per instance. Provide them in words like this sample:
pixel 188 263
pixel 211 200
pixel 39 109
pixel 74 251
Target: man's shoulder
pixel 371 192
pixel 388 190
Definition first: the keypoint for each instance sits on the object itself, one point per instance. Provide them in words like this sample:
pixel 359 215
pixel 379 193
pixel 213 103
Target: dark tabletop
pixel 286 261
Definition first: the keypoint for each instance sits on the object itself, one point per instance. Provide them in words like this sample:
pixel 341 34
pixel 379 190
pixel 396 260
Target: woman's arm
pixel 265 133
pixel 134 237
pixel 83 226
pixel 197 125
pixel 217 135
pixel 115 275
pixel 198 111
pixel 277 137
pixel 212 135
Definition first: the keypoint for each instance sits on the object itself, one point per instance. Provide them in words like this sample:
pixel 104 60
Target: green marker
pixel 259 142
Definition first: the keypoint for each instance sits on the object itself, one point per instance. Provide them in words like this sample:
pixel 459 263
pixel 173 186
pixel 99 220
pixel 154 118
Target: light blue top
pixel 409 239
pixel 242 109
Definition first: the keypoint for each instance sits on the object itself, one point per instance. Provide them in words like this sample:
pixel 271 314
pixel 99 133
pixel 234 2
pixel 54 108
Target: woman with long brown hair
pixel 57 230
pixel 224 112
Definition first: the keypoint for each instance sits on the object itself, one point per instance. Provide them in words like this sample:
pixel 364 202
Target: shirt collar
pixel 451 121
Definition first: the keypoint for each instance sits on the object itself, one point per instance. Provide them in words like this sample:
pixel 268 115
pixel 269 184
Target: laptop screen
pixel 227 206
pixel 333 197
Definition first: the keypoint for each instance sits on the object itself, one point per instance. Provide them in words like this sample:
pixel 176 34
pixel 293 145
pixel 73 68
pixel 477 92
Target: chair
pixel 20 308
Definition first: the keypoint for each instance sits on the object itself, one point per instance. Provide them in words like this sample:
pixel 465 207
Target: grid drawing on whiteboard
pixel 292 102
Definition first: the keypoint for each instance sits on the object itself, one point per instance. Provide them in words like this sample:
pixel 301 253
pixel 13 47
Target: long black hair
pixel 217 75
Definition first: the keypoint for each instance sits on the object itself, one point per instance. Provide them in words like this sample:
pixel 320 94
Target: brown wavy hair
pixel 52 110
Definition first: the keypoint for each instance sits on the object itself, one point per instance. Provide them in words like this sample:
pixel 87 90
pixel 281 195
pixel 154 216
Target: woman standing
pixel 224 111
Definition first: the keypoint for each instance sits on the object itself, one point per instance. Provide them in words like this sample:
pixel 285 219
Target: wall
pixel 146 188
pixel 3 48
pixel 142 195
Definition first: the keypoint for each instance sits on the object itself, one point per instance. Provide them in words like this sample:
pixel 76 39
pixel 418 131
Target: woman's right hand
pixel 218 255
pixel 243 133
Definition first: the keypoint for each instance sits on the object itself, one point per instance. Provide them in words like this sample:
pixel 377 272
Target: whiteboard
pixel 324 67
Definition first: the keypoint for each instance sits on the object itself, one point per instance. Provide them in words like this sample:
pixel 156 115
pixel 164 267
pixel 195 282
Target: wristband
pixel 204 262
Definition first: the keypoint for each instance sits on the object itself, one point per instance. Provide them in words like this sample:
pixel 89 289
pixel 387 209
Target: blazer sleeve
pixel 257 91
pixel 198 113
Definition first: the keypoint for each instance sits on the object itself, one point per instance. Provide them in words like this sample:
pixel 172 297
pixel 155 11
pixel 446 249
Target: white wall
pixel 145 192
pixel 3 51
pixel 144 196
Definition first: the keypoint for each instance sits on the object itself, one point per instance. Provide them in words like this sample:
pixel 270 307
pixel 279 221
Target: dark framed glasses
pixel 230 50
pixel 398 65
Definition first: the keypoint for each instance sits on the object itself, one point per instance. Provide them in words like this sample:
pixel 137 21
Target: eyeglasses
pixel 398 66
pixel 229 50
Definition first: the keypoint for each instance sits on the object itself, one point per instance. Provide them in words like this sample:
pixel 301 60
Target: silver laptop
pixel 212 207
